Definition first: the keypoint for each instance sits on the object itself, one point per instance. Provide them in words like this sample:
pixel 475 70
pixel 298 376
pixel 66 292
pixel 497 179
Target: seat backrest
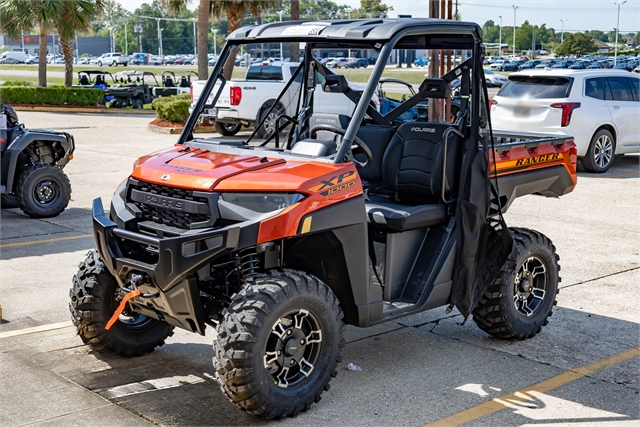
pixel 377 139
pixel 412 164
pixel 84 80
pixel 168 82
pixel 99 80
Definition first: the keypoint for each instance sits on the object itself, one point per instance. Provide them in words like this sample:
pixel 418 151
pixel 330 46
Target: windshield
pixel 359 88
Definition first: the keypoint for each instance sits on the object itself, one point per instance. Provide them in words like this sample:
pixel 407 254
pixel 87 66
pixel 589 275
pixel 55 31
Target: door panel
pixel 625 114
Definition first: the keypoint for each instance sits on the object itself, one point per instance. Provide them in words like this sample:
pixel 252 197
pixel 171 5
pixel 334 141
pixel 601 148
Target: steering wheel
pixel 357 141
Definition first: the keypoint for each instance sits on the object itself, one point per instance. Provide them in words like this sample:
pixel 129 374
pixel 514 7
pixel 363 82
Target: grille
pixel 166 215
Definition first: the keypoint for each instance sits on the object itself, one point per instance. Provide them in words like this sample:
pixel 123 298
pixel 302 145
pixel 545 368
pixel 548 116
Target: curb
pixel 178 129
pixel 94 110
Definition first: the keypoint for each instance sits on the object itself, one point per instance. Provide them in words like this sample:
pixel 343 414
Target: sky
pixel 579 15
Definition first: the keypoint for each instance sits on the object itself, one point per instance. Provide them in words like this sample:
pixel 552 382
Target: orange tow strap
pixel 118 312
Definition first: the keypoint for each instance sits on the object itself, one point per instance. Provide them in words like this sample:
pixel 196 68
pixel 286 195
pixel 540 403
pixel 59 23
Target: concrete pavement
pixel 415 371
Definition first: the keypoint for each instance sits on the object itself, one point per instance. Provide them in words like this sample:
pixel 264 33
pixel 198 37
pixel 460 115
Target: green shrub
pixel 18 83
pixel 51 95
pixel 173 108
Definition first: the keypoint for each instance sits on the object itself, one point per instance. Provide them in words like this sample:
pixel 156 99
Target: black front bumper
pixel 178 257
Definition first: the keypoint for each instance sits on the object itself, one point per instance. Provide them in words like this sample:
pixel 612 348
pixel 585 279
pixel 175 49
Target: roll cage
pixel 381 35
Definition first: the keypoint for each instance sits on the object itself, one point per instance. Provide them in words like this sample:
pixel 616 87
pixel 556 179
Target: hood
pixel 203 170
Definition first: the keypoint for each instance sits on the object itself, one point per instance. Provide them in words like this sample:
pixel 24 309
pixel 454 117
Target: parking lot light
pixel 615 55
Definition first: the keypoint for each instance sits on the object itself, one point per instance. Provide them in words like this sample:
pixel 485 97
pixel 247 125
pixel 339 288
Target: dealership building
pixel 30 44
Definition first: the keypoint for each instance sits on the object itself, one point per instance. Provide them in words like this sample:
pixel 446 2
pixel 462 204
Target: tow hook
pixel 132 293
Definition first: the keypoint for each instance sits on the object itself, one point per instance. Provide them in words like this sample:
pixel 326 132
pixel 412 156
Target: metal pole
pixel 195 52
pixel 615 55
pixel 500 43
pixel 515 8
pixel 159 39
pixel 281 52
pixel 349 14
pixel 215 45
pixel 126 42
pixel 139 36
pixel 533 43
pixel 562 33
pixel 22 36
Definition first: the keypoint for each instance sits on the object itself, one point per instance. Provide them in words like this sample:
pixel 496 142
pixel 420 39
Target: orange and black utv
pixel 333 220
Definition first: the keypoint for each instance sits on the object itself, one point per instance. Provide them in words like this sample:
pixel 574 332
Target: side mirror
pixel 335 83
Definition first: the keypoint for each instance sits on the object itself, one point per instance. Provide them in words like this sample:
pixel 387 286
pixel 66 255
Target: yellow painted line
pixel 35 330
pixel 532 392
pixel 37 242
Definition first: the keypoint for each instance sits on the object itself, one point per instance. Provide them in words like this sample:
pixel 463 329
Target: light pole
pixel 281 53
pixel 113 44
pixel 562 33
pixel 195 52
pixel 349 10
pixel 500 43
pixel 615 55
pixel 215 46
pixel 159 39
pixel 126 43
pixel 515 8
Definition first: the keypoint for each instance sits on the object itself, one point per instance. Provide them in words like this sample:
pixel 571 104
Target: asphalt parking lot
pixel 583 369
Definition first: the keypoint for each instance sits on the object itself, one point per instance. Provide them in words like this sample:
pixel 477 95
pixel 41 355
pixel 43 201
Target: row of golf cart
pixel 135 88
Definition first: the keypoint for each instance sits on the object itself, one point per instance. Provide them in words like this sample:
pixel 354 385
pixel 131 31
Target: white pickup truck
pixel 247 101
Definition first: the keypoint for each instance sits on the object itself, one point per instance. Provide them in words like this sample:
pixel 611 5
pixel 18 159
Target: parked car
pixel 579 65
pixel 562 64
pixel 494 79
pixel 497 65
pixel 12 57
pixel 30 59
pixel 512 65
pixel 112 59
pixel 599 108
pixel 529 64
pixel 358 63
pixel 421 62
pixel 338 63
pixel 546 64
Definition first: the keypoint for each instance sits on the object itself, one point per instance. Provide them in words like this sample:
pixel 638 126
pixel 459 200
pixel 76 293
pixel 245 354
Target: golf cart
pixel 96 79
pixel 133 89
pixel 333 219
pixel 172 85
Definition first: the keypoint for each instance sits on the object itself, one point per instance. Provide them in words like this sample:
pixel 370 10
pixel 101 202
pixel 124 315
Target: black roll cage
pixel 385 49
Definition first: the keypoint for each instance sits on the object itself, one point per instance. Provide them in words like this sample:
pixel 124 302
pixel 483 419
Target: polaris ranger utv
pixel 343 220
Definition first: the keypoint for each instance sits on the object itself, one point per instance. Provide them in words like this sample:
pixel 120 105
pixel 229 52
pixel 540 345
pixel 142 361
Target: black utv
pixel 32 163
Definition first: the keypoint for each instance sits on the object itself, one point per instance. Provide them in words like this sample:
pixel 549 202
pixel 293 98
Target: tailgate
pixel 533 164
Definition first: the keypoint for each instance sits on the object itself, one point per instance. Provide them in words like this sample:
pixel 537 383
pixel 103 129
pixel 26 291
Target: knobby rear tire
pixel 497 313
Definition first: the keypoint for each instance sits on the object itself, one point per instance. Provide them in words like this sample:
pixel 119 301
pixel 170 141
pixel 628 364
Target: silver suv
pixel 112 59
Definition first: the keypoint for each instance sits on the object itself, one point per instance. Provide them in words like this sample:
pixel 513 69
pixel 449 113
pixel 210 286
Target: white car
pixel 494 79
pixel 599 108
pixel 497 65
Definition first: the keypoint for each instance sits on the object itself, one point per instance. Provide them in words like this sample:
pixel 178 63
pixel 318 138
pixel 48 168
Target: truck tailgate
pixel 529 163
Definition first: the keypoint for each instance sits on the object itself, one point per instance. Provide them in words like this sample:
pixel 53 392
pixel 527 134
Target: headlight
pixel 262 202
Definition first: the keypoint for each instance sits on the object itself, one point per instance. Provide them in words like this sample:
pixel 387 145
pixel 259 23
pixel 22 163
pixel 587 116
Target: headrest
pixel 434 88
pixel 422 130
pixel 338 120
pixel 335 83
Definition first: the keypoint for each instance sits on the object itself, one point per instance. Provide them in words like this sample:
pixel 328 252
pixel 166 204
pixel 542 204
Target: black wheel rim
pixel 46 192
pixel 293 348
pixel 129 319
pixel 230 127
pixel 530 286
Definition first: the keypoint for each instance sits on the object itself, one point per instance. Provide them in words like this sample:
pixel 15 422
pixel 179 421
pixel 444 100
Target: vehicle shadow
pixel 22 236
pixel 413 375
pixel 623 167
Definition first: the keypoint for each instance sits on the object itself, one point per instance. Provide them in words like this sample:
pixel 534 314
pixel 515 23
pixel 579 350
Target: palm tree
pixel 204 10
pixel 236 10
pixel 294 50
pixel 18 16
pixel 74 16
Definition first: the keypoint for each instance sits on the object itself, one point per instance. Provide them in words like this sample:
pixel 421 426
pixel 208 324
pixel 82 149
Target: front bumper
pixel 178 257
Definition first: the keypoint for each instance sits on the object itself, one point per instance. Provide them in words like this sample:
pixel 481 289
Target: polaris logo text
pixel 430 130
pixel 538 159
pixel 163 202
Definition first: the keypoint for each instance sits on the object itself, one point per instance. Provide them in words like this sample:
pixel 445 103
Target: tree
pixel 294 47
pixel 372 9
pixel 75 16
pixel 204 11
pixel 576 44
pixel 235 11
pixel 18 16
